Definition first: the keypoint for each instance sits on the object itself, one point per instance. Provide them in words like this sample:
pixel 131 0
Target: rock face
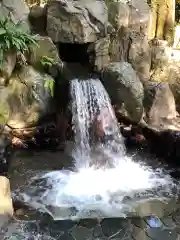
pixel 162 114
pixel 166 68
pixel 140 55
pixel 99 53
pixel 37 18
pixel 18 10
pixel 8 65
pixel 160 53
pixel 5 152
pixel 6 206
pixel 76 21
pixel 130 41
pixel 163 19
pixel 25 100
pixel 116 36
pixel 125 89
pixel 46 49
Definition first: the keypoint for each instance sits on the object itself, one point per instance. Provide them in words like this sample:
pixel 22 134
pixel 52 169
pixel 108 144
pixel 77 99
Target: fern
pixel 49 83
pixel 13 37
pixel 47 61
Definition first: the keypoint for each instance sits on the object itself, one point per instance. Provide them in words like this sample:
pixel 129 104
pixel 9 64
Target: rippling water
pixel 104 182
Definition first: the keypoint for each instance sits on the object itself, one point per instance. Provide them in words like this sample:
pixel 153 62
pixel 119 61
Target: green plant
pixel 49 83
pixel 46 61
pixel 13 37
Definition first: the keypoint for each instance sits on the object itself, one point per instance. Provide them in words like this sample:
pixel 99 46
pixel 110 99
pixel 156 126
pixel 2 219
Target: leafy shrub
pixel 13 37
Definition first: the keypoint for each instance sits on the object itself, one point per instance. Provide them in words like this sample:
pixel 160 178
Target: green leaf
pixel 2 31
pixel 49 83
pixel 46 61
pixel 12 36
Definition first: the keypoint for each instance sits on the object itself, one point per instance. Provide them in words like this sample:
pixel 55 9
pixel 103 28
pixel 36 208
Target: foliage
pixel 13 37
pixel 47 61
pixel 49 83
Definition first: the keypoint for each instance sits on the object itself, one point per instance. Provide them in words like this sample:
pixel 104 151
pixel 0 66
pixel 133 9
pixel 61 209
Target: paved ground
pixel 117 229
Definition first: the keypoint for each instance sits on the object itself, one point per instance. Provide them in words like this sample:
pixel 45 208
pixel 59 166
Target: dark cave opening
pixel 74 53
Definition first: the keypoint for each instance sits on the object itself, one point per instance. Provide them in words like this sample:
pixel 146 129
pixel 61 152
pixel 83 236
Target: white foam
pixel 100 190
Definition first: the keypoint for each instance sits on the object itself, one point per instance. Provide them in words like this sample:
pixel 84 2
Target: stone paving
pixel 147 228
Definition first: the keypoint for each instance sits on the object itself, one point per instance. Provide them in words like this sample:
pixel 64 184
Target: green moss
pixel 4 114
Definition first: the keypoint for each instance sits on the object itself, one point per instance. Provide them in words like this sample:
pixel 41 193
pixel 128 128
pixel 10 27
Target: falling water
pixel 95 125
pixel 103 176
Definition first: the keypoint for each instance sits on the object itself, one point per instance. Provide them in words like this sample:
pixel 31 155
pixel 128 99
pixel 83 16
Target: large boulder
pixel 130 41
pixel 45 51
pixel 125 89
pixel 133 14
pixel 99 53
pixel 18 11
pixel 140 55
pixel 160 53
pixel 77 21
pixel 162 114
pixel 25 100
pixel 170 73
pixel 45 48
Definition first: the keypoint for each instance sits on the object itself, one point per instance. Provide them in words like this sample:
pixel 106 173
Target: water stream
pixel 105 181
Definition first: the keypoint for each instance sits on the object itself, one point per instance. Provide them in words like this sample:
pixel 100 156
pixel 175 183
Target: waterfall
pixel 104 178
pixel 96 128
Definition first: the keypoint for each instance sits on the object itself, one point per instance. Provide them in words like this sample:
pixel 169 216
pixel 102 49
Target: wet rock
pixel 25 100
pixel 125 89
pixel 5 153
pixel 6 207
pixel 18 10
pixel 81 233
pixel 77 21
pixel 37 18
pixel 164 144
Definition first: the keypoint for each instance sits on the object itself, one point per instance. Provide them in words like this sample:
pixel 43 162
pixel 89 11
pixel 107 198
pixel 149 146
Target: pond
pixel 152 219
